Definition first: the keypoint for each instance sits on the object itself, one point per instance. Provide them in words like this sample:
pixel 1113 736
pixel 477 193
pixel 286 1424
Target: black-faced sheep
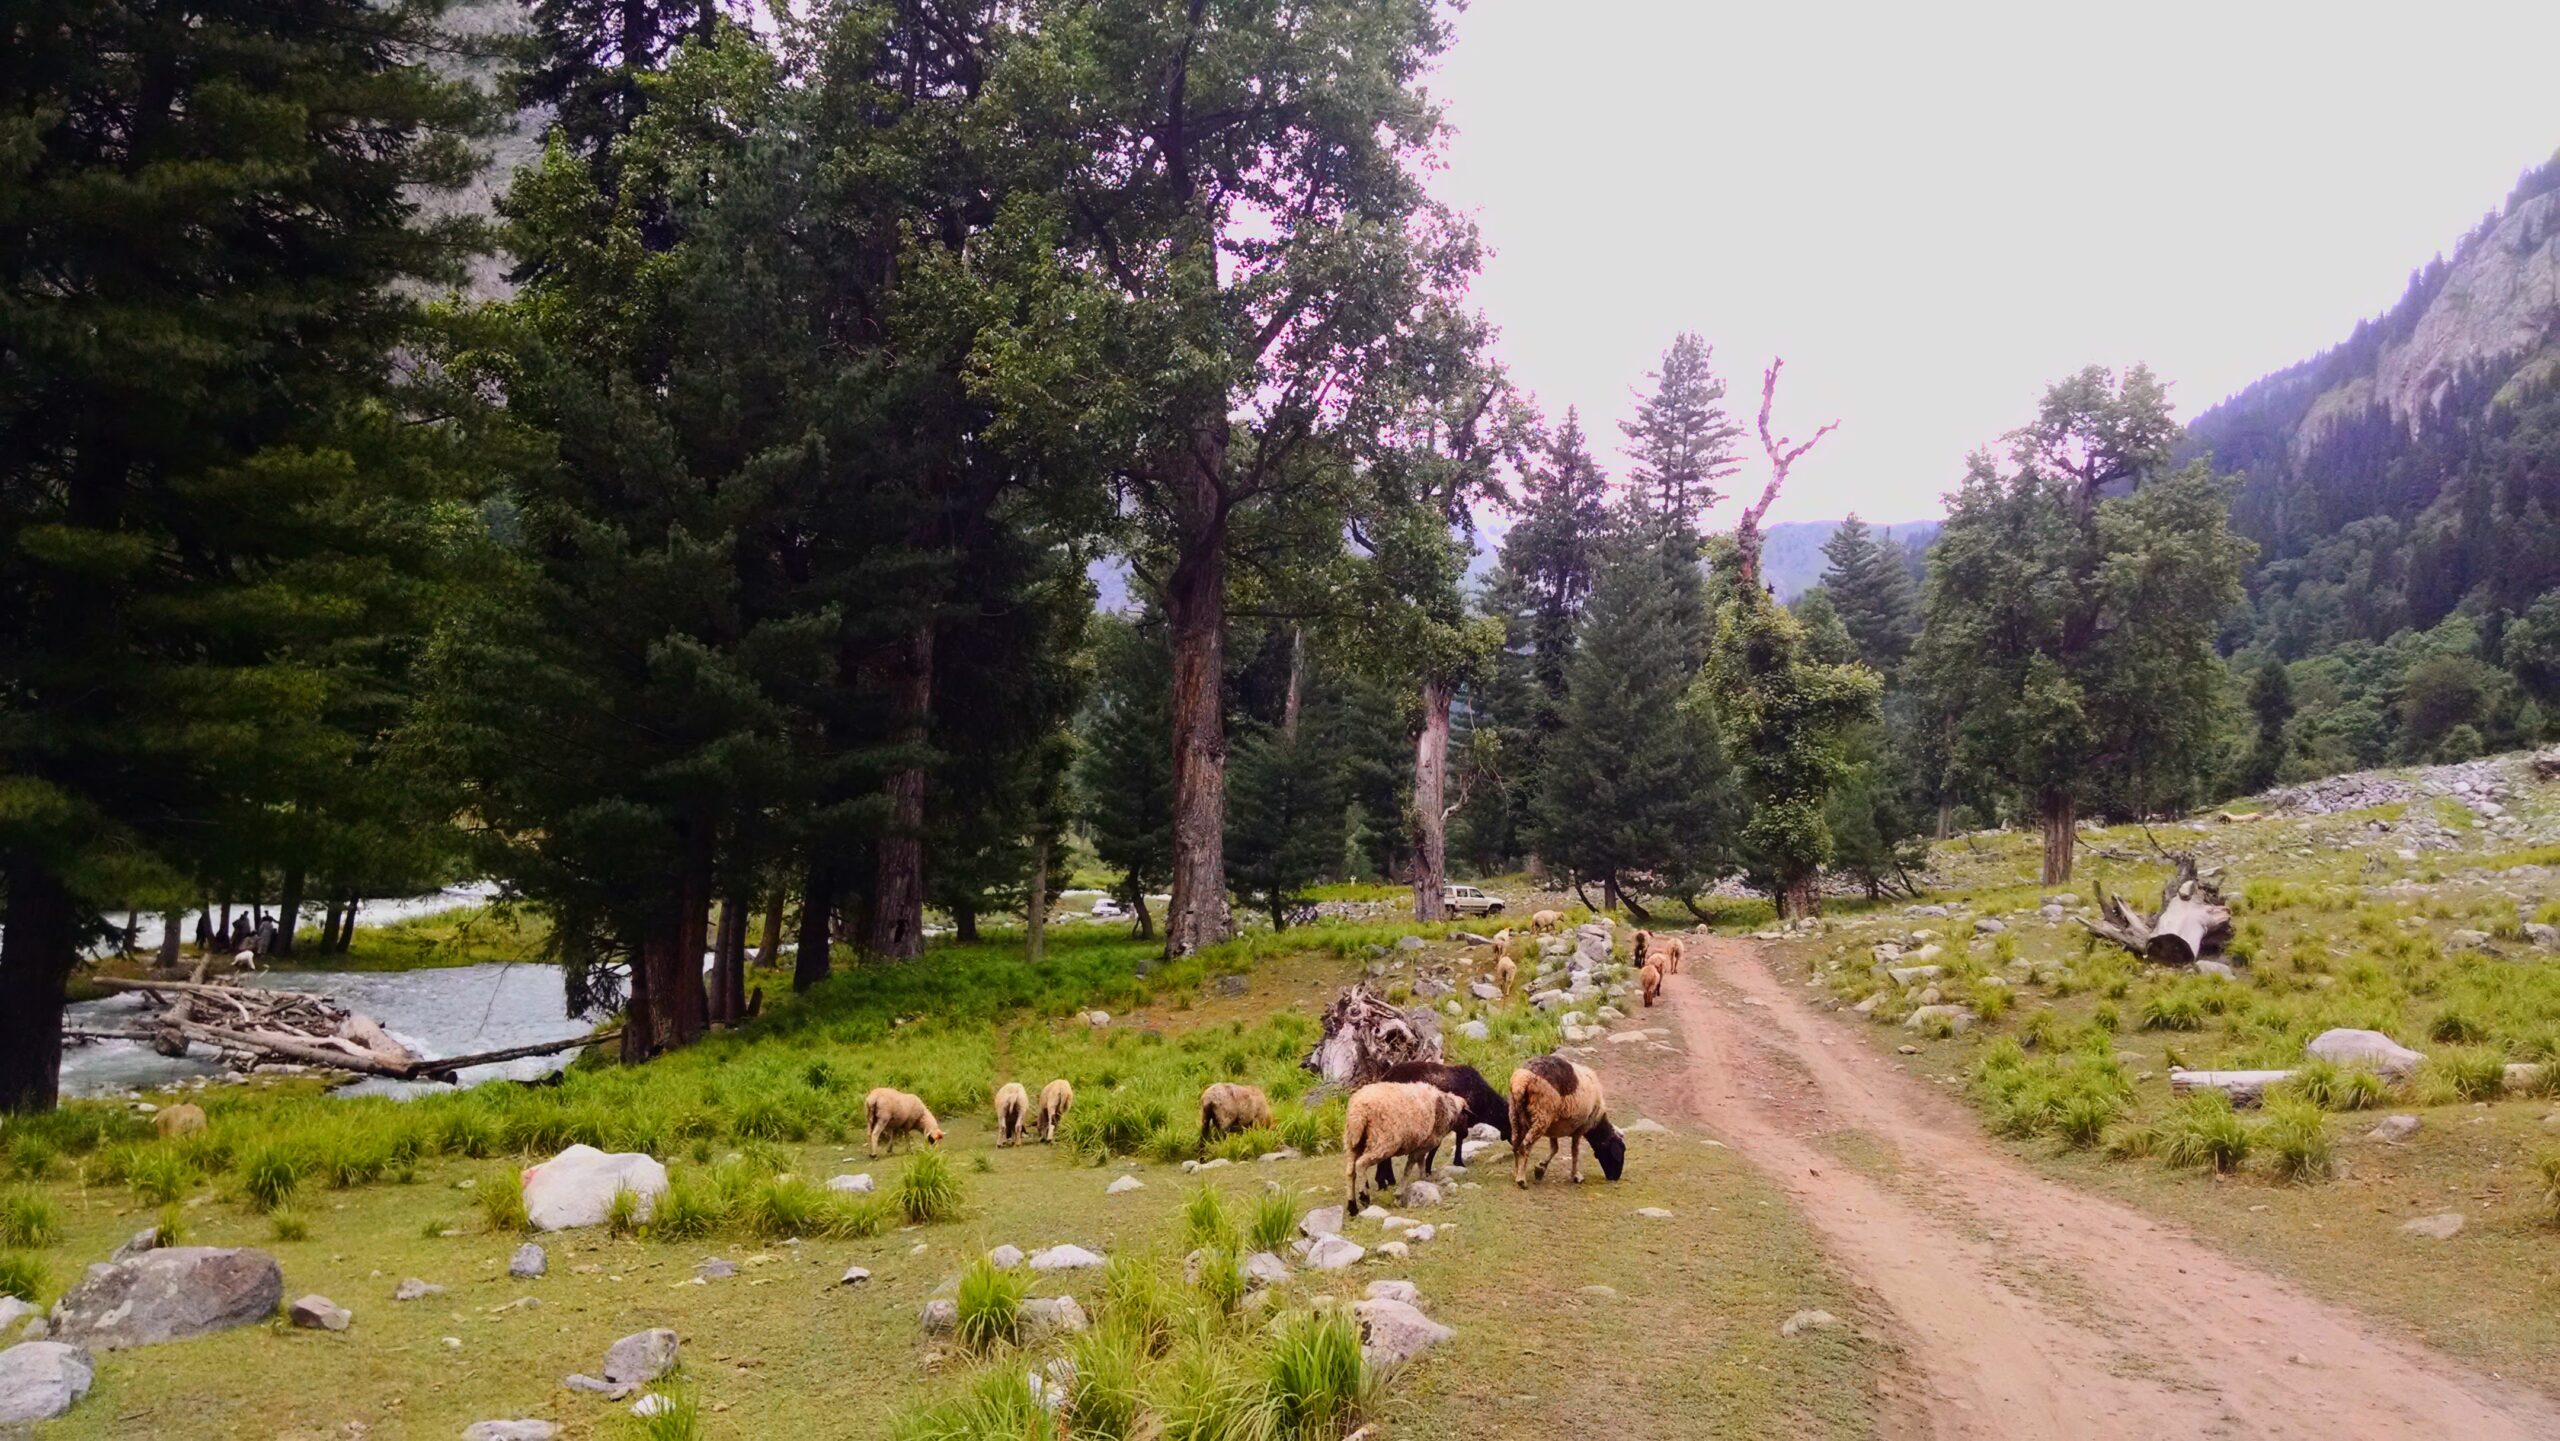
pixel 1055 1098
pixel 1012 1104
pixel 1388 1119
pixel 1556 1100
pixel 1227 1107
pixel 1651 977
pixel 1485 1105
pixel 894 1114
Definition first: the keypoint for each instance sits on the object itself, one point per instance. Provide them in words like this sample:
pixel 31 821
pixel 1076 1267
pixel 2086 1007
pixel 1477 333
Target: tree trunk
pixel 2061 811
pixel 897 895
pixel 291 907
pixel 132 938
pixel 964 921
pixel 1946 816
pixel 329 923
pixel 1196 611
pixel 1609 895
pixel 817 906
pixel 1801 900
pixel 1430 815
pixel 1297 683
pixel 347 923
pixel 733 957
pixel 1146 928
pixel 769 940
pixel 670 961
pixel 37 950
pixel 170 936
pixel 1035 908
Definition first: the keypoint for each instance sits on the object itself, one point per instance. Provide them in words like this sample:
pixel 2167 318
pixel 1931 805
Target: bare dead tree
pixel 1784 451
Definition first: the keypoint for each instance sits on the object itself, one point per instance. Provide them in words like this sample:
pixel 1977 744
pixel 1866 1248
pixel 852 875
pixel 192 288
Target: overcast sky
pixel 1933 210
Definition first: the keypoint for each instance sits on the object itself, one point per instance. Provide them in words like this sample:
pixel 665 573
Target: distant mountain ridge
pixel 1791 558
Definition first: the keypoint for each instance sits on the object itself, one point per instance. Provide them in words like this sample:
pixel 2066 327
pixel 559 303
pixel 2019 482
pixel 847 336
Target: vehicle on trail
pixel 1469 901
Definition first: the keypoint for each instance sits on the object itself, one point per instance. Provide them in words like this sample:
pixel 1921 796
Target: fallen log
pixel 2245 1088
pixel 2190 924
pixel 426 1068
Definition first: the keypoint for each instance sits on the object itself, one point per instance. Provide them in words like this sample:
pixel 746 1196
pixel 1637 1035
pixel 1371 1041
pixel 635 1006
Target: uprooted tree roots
pixel 2190 924
pixel 1364 1035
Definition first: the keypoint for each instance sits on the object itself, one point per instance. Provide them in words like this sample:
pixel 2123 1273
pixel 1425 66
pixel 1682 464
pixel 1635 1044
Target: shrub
pixel 1274 1222
pixel 1204 1219
pixel 289 1224
pixel 1317 1381
pixel 160 1175
pixel 500 1197
pixel 27 1220
pixel 990 1305
pixel 2296 1137
pixel 22 1275
pixel 270 1174
pixel 2203 1132
pixel 928 1192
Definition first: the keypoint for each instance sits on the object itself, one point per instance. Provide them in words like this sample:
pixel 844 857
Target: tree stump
pixel 1364 1035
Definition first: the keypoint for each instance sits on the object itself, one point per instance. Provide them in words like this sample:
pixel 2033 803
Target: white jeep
pixel 1468 901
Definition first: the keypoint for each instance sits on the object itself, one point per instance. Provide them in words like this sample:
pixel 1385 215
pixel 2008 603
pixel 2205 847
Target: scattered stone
pixel 1045 1316
pixel 1393 1331
pixel 576 1188
pixel 2443 1227
pixel 1605 1293
pixel 1097 1018
pixel 940 1316
pixel 854 1276
pixel 1397 1249
pixel 1653 1213
pixel 1989 926
pixel 1230 987
pixel 414 1289
pixel 1422 1193
pixel 2393 1129
pixel 2348 1047
pixel 2542 936
pixel 1124 1186
pixel 634 1362
pixel 1475 1030
pixel 1418 1234
pixel 2468 940
pixel 1285 1153
pixel 860 1183
pixel 1320 1222
pixel 1913 975
pixel 1005 1258
pixel 13 1310
pixel 2217 968
pixel 1265 1268
pixel 169 1294
pixel 529 1261
pixel 40 1380
pixel 1648 1126
pixel 525 1430
pixel 1803 1321
pixel 319 1313
pixel 1408 943
pixel 1064 1258
pixel 1958 1018
pixel 146 1239
pixel 1332 1253
pixel 718 1268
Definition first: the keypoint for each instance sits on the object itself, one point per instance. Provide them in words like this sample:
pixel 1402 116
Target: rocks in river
pixel 631 1363
pixel 2348 1047
pixel 414 1289
pixel 168 1295
pixel 528 1262
pixel 1064 1258
pixel 1393 1330
pixel 1332 1253
pixel 2443 1227
pixel 1803 1321
pixel 860 1184
pixel 577 1187
pixel 40 1380
pixel 2393 1129
pixel 524 1430
pixel 319 1313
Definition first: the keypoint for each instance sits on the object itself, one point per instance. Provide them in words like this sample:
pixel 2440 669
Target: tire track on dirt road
pixel 2084 1318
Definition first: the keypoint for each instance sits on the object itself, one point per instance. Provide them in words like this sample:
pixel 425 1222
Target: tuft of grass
pixel 2462 1073
pixel 1102 1394
pixel 691 1208
pixel 288 1224
pixel 2202 1132
pixel 1317 1382
pixel 161 1175
pixel 2296 1139
pixel 990 1304
pixel 2546 1173
pixel 1137 1298
pixel 270 1173
pixel 27 1220
pixel 1221 1280
pixel 171 1225
pixel 2333 1087
pixel 997 1406
pixel 1311 1129
pixel 1273 1224
pixel 1205 1221
pixel 22 1275
pixel 500 1197
pixel 679 1420
pixel 928 1192
pixel 622 1213
pixel 32 1157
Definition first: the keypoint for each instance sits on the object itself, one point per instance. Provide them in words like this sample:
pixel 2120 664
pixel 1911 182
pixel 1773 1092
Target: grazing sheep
pixel 1555 1099
pixel 1666 954
pixel 1506 974
pixel 1055 1098
pixel 894 1113
pixel 245 961
pixel 182 1119
pixel 1651 976
pixel 1485 1105
pixel 1012 1103
pixel 1547 923
pixel 1388 1119
pixel 1227 1107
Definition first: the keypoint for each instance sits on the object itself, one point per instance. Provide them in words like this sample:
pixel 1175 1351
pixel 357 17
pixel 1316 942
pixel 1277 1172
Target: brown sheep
pixel 1666 954
pixel 894 1114
pixel 1547 922
pixel 1055 1098
pixel 182 1119
pixel 1651 977
pixel 1554 1098
pixel 1506 974
pixel 1227 1107
pixel 1388 1119
pixel 1012 1104
pixel 1643 939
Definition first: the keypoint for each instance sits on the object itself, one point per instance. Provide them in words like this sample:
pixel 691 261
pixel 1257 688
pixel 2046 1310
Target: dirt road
pixel 2026 1308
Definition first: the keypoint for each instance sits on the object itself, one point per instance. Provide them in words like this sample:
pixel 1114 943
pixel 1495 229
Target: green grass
pixel 287 1224
pixel 680 1419
pixel 22 1275
pixel 1273 1222
pixel 929 1191
pixel 500 1196
pixel 2296 1141
pixel 990 1305
pixel 1317 1383
pixel 28 1220
pixel 1205 1221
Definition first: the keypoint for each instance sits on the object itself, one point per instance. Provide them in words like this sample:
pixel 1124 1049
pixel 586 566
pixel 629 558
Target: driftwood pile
pixel 1364 1035
pixel 251 1025
pixel 2190 924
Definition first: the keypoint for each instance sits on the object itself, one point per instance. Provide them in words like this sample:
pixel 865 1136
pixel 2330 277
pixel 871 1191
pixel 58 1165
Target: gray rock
pixel 2217 968
pixel 168 1295
pixel 1422 1193
pixel 1989 926
pixel 2393 1129
pixel 1285 1153
pixel 13 1310
pixel 652 1405
pixel 40 1380
pixel 1647 1126
pixel 940 1316
pixel 1408 943
pixel 1405 1291
pixel 577 1187
pixel 528 1262
pixel 1230 987
pixel 1332 1253
pixel 1653 1213
pixel 2544 937
pixel 1322 1221
pixel 1005 1258
pixel 2442 1227
pixel 1913 975
pixel 1124 1186
pixel 860 1184
pixel 854 1276
pixel 319 1313
pixel 1064 1258
pixel 1803 1321
pixel 525 1430
pixel 1393 1331
pixel 1959 1019
pixel 2349 1047
pixel 1484 990
pixel 2468 940
pixel 414 1289
pixel 718 1268
pixel 1047 1316
pixel 1476 1030
pixel 144 1240
pixel 1265 1268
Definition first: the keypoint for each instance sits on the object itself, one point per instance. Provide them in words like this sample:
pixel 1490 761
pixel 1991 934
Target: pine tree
pixel 1284 817
pixel 2271 703
pixel 1681 441
pixel 210 496
pixel 1124 768
pixel 1871 590
pixel 1789 720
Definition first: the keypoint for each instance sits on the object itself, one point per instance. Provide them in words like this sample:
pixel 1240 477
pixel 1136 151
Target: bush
pixel 928 1192
pixel 289 1224
pixel 2296 1137
pixel 27 1220
pixel 270 1174
pixel 160 1175
pixel 22 1276
pixel 990 1305
pixel 2203 1132
pixel 1316 1380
